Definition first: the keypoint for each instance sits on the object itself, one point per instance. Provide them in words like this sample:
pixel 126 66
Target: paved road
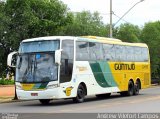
pixel 147 101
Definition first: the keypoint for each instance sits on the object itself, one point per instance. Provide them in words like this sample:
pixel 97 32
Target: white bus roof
pixel 48 38
pixel 87 38
pixel 102 38
pixel 70 37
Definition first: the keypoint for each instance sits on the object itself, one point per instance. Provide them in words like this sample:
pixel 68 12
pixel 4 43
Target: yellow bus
pixel 59 67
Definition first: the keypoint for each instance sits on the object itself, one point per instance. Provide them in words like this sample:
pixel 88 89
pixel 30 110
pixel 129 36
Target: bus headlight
pixel 52 86
pixel 19 87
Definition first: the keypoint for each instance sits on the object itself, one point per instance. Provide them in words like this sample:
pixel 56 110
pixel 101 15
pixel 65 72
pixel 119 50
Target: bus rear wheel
pixel 81 92
pixel 136 88
pixel 44 101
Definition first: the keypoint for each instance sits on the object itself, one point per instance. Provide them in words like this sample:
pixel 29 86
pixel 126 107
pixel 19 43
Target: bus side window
pixel 145 56
pixel 109 52
pixel 82 53
pixel 95 51
pixel 120 53
pixel 123 54
pixel 137 53
pixel 66 61
pixel 130 57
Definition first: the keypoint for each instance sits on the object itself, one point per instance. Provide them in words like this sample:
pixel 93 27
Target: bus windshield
pixel 36 67
pixel 35 62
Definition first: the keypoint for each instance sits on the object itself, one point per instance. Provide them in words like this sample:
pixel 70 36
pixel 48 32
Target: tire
pixel 136 88
pixel 107 95
pixel 44 101
pixel 81 92
pixel 130 91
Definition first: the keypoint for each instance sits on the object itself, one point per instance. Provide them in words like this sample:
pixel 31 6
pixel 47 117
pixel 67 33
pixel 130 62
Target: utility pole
pixel 111 12
pixel 110 31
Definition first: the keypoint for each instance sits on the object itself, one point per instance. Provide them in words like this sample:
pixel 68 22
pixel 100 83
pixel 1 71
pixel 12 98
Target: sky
pixel 143 12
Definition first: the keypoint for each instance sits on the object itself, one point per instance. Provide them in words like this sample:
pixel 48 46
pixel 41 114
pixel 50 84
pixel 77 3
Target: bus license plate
pixel 34 94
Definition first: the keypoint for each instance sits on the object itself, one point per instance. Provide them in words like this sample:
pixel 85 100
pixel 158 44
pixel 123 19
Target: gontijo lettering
pixel 122 66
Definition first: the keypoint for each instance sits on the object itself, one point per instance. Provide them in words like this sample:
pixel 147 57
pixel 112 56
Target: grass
pixel 6 82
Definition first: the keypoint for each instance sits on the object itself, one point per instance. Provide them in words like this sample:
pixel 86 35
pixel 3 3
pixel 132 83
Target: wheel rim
pixel 80 93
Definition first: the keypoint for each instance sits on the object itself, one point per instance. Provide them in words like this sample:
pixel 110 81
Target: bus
pixel 61 67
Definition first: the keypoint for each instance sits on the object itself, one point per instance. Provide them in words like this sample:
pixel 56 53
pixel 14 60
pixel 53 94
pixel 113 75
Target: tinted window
pixel 82 51
pixel 129 53
pixel 120 53
pixel 95 51
pixel 145 56
pixel 66 61
pixel 137 54
pixel 108 52
pixel 68 49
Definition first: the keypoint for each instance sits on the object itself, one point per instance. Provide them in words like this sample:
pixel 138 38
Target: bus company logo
pixel 68 91
pixel 122 66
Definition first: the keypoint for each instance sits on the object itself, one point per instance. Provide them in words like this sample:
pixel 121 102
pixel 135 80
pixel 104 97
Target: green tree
pixel 128 32
pixel 151 36
pixel 86 23
pixel 35 18
pixel 22 19
pixel 4 48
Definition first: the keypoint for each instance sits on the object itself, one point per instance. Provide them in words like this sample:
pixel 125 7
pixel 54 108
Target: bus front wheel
pixel 130 91
pixel 44 101
pixel 81 92
pixel 130 88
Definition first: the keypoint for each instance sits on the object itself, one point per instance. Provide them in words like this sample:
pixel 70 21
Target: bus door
pixel 66 66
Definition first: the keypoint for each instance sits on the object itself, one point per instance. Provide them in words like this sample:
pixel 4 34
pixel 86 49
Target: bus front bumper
pixel 43 94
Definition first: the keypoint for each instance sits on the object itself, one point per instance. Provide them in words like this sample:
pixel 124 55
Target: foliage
pixel 128 33
pixel 151 36
pixel 35 18
pixel 4 21
pixel 86 23
pixel 6 82
pixel 22 19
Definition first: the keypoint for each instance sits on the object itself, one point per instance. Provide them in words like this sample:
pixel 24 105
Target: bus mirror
pixel 58 56
pixel 12 58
